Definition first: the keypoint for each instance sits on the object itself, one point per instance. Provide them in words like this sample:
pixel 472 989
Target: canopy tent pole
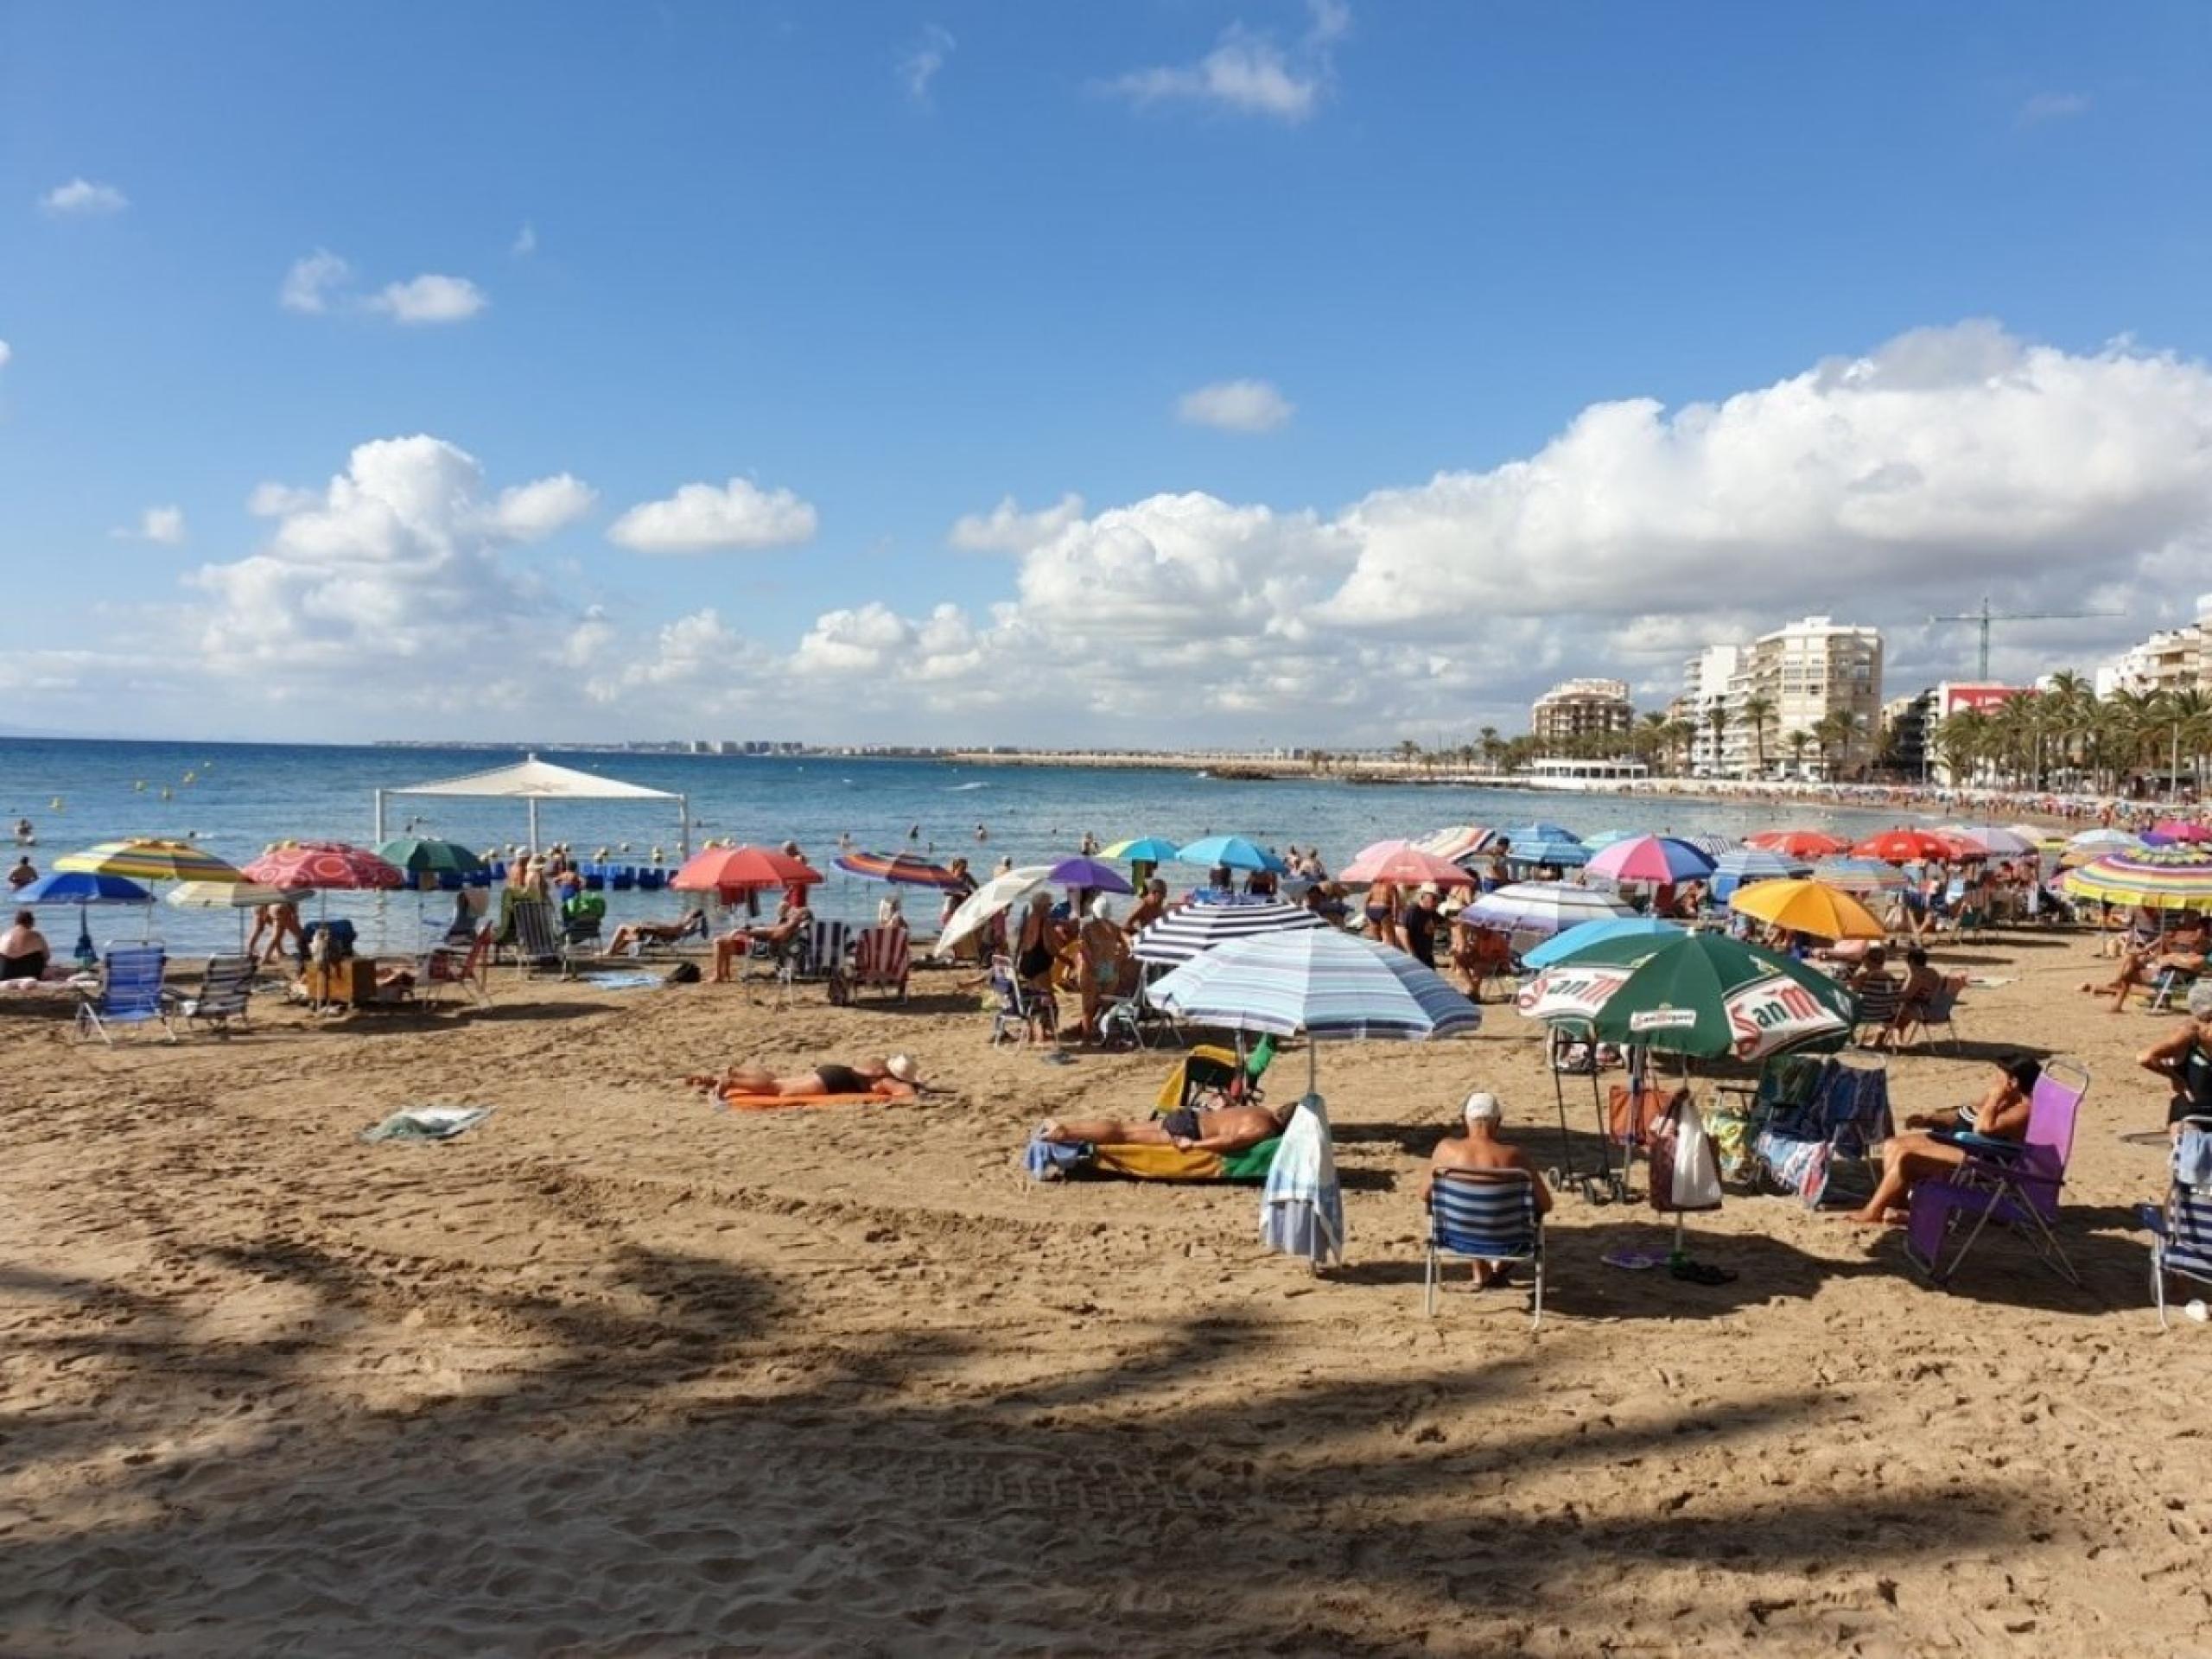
pixel 683 826
pixel 378 842
pixel 533 825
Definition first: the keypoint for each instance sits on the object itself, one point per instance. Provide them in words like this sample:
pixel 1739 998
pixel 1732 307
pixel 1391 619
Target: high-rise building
pixel 1705 688
pixel 2170 660
pixel 1803 674
pixel 1576 709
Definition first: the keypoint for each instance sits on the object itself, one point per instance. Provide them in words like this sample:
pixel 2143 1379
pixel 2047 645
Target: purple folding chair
pixel 2016 1187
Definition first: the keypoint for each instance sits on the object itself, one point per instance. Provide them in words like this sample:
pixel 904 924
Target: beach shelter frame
pixel 533 780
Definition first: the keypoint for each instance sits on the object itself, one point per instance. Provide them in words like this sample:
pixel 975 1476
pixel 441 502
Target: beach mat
pixel 1142 1161
pixel 777 1102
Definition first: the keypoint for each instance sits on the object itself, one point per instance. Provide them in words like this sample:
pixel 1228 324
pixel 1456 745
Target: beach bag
pixel 1683 1174
pixel 1632 1114
pixel 684 973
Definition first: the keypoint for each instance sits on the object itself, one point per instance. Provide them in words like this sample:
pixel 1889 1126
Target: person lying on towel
pixel 1233 1129
pixel 896 1078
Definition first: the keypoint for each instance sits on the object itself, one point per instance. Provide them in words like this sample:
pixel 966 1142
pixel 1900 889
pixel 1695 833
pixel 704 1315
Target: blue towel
pixel 2193 1159
pixel 1048 1160
pixel 619 982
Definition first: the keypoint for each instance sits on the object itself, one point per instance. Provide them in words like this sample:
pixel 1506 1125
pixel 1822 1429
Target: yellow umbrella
pixel 1813 907
pixel 146 859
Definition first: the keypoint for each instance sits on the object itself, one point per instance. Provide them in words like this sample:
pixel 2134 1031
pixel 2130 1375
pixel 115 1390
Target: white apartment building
pixel 1705 688
pixel 1582 708
pixel 2168 661
pixel 1805 671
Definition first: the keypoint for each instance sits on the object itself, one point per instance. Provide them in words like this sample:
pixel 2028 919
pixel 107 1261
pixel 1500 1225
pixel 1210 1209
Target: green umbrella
pixel 1699 995
pixel 418 856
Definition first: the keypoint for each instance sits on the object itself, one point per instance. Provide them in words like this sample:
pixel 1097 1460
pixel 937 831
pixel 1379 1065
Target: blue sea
pixel 237 798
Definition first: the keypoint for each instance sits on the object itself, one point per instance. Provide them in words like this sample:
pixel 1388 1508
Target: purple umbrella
pixel 1088 873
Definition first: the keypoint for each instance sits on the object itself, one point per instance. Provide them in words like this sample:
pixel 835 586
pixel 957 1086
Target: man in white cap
pixel 1480 1148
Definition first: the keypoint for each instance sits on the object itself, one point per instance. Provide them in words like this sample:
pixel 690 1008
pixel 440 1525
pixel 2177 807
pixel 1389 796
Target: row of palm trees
pixel 1662 743
pixel 2066 736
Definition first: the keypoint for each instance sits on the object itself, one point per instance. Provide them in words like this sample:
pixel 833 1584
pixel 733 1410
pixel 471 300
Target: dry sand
pixel 618 1373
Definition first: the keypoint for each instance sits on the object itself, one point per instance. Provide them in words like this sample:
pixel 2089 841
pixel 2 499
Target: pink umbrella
pixel 2181 830
pixel 1651 858
pixel 1404 864
pixel 325 867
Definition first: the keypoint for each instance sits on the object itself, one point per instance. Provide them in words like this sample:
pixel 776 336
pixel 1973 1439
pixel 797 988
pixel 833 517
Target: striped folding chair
pixel 2181 1232
pixel 881 957
pixel 1484 1215
pixel 130 994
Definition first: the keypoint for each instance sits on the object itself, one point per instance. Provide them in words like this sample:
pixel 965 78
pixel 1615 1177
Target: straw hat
pixel 902 1067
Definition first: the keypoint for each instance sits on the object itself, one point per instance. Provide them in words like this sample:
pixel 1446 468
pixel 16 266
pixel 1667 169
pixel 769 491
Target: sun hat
pixel 1482 1107
pixel 902 1067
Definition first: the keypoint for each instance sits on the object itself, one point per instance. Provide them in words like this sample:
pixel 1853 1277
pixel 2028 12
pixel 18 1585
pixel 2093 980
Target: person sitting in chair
pixel 1480 1148
pixel 1931 1144
pixel 1231 1128
pixel 2181 951
pixel 2184 1059
pixel 791 917
pixel 896 1078
pixel 631 935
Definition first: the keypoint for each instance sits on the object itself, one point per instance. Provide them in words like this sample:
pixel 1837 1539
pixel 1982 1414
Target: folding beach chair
pixel 2170 983
pixel 1483 1215
pixel 539 947
pixel 443 965
pixel 882 956
pixel 1820 1113
pixel 1210 1077
pixel 224 990
pixel 2181 1228
pixel 1022 1010
pixel 130 994
pixel 2016 1185
pixel 1940 1009
pixel 1878 1006
pixel 818 951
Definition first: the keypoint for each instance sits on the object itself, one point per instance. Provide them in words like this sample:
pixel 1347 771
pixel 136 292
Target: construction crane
pixel 1985 616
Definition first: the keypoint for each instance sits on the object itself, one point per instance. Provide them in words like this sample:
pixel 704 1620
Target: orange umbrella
pixel 736 870
pixel 1799 844
pixel 1810 907
pixel 1404 864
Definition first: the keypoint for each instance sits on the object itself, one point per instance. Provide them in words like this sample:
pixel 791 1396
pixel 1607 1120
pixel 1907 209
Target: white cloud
pixel 430 298
pixel 1250 72
pixel 163 525
pixel 1006 529
pixel 312 282
pixel 530 513
pixel 274 500
pixel 2052 106
pixel 525 242
pixel 1236 406
pixel 919 68
pixel 6 352
pixel 700 517
pixel 82 198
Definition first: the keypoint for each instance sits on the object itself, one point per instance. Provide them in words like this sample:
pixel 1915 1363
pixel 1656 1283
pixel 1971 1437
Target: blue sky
pixel 904 261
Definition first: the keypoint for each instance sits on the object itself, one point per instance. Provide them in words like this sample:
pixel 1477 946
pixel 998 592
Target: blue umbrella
pixel 1539 830
pixel 1088 873
pixel 84 889
pixel 1741 864
pixel 1144 849
pixel 1588 933
pixel 1234 851
pixel 1605 838
pixel 1562 852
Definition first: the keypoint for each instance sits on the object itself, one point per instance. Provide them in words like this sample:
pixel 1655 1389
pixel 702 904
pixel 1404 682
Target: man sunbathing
pixel 896 1078
pixel 631 934
pixel 1232 1128
pixel 2182 951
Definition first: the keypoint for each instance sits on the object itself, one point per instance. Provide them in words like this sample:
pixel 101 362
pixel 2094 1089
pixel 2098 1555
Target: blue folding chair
pixel 2181 1232
pixel 1484 1215
pixel 130 994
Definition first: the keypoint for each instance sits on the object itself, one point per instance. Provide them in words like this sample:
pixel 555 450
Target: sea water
pixel 235 799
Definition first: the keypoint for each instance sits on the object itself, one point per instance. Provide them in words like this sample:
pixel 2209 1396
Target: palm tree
pixel 1799 741
pixel 1758 711
pixel 1408 749
pixel 1492 745
pixel 1717 717
pixel 1681 733
pixel 1649 739
pixel 1318 761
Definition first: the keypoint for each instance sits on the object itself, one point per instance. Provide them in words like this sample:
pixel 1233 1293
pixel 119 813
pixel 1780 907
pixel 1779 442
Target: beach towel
pixel 1684 1176
pixel 1046 1160
pixel 2193 1159
pixel 777 1102
pixel 1302 1210
pixel 612 981
pixel 427 1123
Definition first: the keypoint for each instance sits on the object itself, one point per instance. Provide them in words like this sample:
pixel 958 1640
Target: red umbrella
pixel 737 869
pixel 325 867
pixel 1799 844
pixel 1903 845
pixel 1404 864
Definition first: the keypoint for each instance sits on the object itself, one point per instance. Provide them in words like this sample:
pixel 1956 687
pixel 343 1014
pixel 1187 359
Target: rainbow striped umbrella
pixel 2160 878
pixel 150 859
pixel 1859 875
pixel 903 867
pixel 2096 843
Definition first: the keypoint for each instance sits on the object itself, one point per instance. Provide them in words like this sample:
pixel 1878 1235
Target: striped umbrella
pixel 1993 839
pixel 1541 908
pixel 1562 852
pixel 1651 858
pixel 148 858
pixel 1710 845
pixel 325 867
pixel 2161 878
pixel 1584 934
pixel 2096 843
pixel 1195 928
pixel 1859 875
pixel 1542 830
pixel 902 867
pixel 1458 841
pixel 1732 870
pixel 1605 838
pixel 1334 987
pixel 1799 844
pixel 1142 849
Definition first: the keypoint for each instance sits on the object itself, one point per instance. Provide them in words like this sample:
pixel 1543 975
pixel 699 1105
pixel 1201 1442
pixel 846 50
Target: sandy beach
pixel 618 1372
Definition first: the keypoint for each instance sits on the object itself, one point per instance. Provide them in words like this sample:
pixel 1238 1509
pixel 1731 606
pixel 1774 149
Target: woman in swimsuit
pixel 1101 953
pixel 1930 1145
pixel 896 1078
pixel 1382 915
pixel 1036 947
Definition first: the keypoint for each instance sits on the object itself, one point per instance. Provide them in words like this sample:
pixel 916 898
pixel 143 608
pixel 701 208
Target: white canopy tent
pixel 534 780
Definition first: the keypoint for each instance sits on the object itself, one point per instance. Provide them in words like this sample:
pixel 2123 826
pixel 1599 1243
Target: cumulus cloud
pixel 2053 106
pixel 1250 71
pixel 6 352
pixel 701 517
pixel 162 525
pixel 1006 529
pixel 312 282
pixel 274 500
pixel 82 198
pixel 429 298
pixel 1236 406
pixel 530 513
pixel 919 68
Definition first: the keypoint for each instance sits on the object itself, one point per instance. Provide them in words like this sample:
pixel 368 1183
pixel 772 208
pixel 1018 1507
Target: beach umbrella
pixel 1539 830
pixel 1799 844
pixel 241 896
pixel 1904 846
pixel 1702 995
pixel 148 858
pixel 1456 841
pixel 1540 907
pixel 1993 839
pixel 83 890
pixel 995 895
pixel 1141 849
pixel 1583 934
pixel 420 855
pixel 1399 862
pixel 1859 875
pixel 1809 906
pixel 1651 859
pixel 1605 838
pixel 1749 864
pixel 2096 843
pixel 2181 830
pixel 2159 878
pixel 901 868
pixel 1081 872
pixel 325 867
pixel 1234 851
pixel 1194 929
pixel 1710 845
pixel 740 869
pixel 1560 854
